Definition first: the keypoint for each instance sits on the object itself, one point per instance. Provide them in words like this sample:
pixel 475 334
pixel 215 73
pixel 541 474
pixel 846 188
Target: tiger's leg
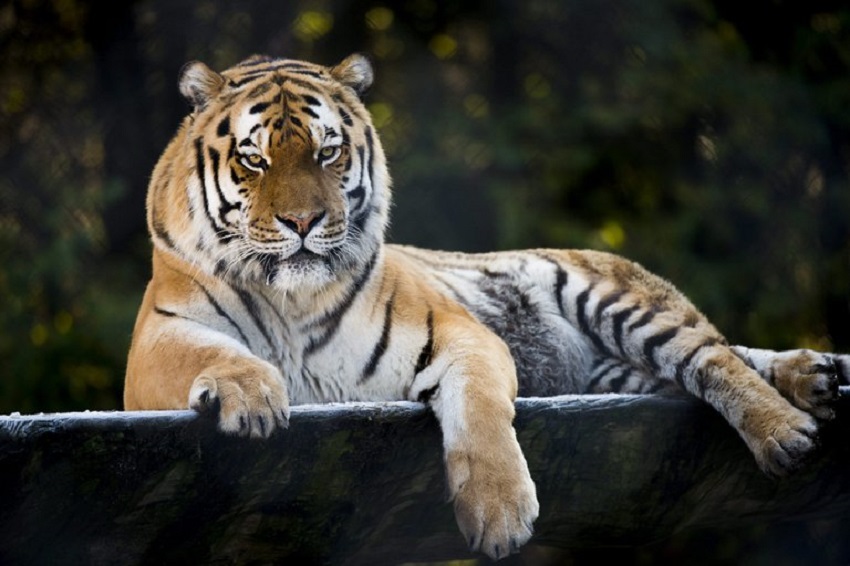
pixel 807 378
pixel 470 383
pixel 697 359
pixel 627 312
pixel 178 363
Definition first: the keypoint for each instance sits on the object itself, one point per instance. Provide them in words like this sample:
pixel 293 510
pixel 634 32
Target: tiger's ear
pixel 199 83
pixel 356 72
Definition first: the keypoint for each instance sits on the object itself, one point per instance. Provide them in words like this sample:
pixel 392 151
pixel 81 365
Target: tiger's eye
pixel 254 161
pixel 327 152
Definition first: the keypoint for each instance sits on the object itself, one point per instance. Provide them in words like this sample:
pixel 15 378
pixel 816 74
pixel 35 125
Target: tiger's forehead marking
pixel 283 106
pixel 274 100
pixel 252 70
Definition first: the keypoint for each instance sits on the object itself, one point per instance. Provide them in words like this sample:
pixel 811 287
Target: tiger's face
pixel 287 182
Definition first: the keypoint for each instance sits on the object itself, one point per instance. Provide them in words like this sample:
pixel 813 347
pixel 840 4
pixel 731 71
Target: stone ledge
pixel 363 483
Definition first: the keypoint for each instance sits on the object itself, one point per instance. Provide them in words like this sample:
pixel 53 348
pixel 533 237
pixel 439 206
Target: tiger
pixel 272 285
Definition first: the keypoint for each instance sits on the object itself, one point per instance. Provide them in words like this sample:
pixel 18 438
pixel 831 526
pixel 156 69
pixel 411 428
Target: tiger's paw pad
pixel 496 511
pixel 809 380
pixel 256 408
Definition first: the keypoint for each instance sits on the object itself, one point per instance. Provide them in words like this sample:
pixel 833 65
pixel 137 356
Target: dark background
pixel 709 140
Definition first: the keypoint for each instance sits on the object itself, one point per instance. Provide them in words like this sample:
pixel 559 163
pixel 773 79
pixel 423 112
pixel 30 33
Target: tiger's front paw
pixel 783 441
pixel 251 401
pixel 495 500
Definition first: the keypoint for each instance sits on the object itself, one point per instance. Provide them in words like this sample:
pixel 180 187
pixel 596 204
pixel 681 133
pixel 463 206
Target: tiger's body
pixel 272 285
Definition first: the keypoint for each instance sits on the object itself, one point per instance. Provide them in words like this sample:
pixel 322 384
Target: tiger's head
pixel 277 177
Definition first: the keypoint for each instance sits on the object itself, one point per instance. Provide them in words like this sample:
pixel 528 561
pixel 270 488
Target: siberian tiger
pixel 272 285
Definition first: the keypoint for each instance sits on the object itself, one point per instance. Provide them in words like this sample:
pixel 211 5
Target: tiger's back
pixel 272 284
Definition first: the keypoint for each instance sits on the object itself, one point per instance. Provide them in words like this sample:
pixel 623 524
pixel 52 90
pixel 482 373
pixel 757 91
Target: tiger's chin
pixel 304 269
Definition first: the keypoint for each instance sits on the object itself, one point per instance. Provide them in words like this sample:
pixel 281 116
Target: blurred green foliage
pixel 690 135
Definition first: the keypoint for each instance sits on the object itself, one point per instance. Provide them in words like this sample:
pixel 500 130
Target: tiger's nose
pixel 301 224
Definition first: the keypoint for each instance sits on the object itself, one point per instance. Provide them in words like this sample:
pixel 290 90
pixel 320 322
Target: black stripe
pixel 223 127
pixel 645 319
pixel 302 84
pixel 361 154
pixel 358 212
pixel 599 373
pixel 383 342
pixel 225 206
pixel 346 117
pixel 313 74
pixel 584 326
pixel 426 394
pixel 370 143
pixel 200 170
pixel 561 278
pixel 606 302
pixel 358 193
pixel 164 312
pixel 617 322
pixel 333 318
pixel 220 311
pixel 278 64
pixel 604 367
pixel 292 65
pixel 424 359
pixel 489 273
pixel 309 111
pixel 656 341
pixel 686 361
pixel 253 310
pixel 161 232
pixel 259 107
pixel 250 77
pixel 616 384
pixel 560 283
pixel 311 100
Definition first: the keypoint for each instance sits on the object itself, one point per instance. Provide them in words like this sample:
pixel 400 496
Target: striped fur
pixel 271 284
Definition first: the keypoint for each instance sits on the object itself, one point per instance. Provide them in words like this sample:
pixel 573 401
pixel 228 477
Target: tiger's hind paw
pixel 809 380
